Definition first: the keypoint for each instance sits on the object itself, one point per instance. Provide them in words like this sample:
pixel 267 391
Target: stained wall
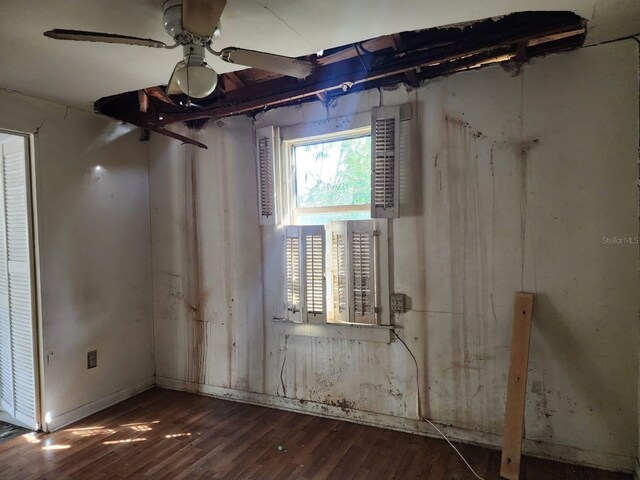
pixel 93 257
pixel 511 181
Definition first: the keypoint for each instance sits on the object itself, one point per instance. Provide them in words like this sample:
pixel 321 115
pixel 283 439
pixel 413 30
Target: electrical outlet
pixel 92 359
pixel 398 303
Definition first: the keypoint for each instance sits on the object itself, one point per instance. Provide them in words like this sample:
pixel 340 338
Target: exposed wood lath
pixel 408 57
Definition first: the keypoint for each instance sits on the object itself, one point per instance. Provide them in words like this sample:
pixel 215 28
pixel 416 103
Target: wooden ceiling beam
pixel 351 72
pixel 159 93
pixel 124 108
pixel 232 82
pixel 336 83
pixel 410 57
pixel 373 45
pixel 412 78
pixel 143 101
pixel 352 66
pixel 557 36
pixel 161 130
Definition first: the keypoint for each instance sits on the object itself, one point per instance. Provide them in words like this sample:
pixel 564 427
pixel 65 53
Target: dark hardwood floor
pixel 8 431
pixel 162 434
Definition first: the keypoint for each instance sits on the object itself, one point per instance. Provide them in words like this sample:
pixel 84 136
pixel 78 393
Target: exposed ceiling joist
pixel 407 57
pixel 159 93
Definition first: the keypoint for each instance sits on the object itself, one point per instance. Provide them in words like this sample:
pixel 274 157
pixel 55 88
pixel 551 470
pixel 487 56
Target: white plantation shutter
pixel 362 271
pixel 293 273
pixel 305 270
pixel 314 273
pixel 16 284
pixel 385 142
pixel 6 363
pixel 266 146
pixel 339 286
pixel 359 273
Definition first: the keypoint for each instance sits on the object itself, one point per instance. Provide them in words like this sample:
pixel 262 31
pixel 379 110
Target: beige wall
pixel 207 263
pixel 512 183
pixel 94 256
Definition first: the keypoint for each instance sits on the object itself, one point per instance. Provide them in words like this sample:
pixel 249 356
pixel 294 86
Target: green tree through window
pixel 333 173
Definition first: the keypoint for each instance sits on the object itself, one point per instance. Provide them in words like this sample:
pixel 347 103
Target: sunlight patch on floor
pixel 56 447
pixel 126 440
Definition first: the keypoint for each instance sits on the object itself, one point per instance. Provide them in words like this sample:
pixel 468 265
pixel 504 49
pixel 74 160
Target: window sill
pixel 345 331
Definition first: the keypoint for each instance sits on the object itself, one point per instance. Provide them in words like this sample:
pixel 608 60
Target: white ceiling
pixel 76 73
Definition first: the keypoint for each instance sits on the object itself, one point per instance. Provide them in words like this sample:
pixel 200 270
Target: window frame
pixel 286 180
pixel 325 130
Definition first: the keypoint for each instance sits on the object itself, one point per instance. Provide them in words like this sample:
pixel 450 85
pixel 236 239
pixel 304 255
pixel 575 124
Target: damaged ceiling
pixel 408 57
pixel 78 74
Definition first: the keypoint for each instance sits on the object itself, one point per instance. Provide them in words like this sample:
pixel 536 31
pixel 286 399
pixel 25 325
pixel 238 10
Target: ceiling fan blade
pixel 201 17
pixel 60 34
pixel 172 85
pixel 291 67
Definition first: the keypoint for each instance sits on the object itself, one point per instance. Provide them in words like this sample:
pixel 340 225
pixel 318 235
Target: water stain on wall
pixel 468 263
pixel 196 331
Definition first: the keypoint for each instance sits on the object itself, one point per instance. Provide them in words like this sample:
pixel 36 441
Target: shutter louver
pixel 265 152
pixel 22 346
pixel 293 273
pixel 362 272
pixel 18 287
pixel 314 273
pixel 339 283
pixel 6 364
pixel 305 271
pixel 385 129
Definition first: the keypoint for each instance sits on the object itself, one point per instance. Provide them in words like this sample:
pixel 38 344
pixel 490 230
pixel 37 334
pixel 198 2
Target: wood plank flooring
pixel 161 434
pixel 8 431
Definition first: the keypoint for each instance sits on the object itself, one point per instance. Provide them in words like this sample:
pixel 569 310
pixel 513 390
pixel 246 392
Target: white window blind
pixel 385 142
pixel 17 363
pixel 305 270
pixel 265 160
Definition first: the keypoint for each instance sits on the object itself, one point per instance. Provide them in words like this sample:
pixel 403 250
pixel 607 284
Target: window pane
pixel 324 218
pixel 334 173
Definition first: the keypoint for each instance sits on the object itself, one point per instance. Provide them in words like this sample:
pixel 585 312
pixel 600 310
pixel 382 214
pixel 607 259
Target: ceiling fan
pixel 195 25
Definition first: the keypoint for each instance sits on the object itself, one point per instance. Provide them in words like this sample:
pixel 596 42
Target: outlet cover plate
pixel 398 303
pixel 92 359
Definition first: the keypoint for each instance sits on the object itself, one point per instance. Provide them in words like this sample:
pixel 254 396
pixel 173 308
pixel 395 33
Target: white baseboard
pixel 603 460
pixel 72 416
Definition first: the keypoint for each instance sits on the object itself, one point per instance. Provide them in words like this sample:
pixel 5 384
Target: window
pixel 330 178
pixel 333 193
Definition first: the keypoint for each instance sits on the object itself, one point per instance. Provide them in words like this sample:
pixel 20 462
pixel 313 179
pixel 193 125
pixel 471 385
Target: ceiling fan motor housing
pixel 172 20
pixel 172 17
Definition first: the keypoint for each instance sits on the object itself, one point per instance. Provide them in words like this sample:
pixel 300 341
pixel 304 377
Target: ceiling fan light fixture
pixel 197 81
